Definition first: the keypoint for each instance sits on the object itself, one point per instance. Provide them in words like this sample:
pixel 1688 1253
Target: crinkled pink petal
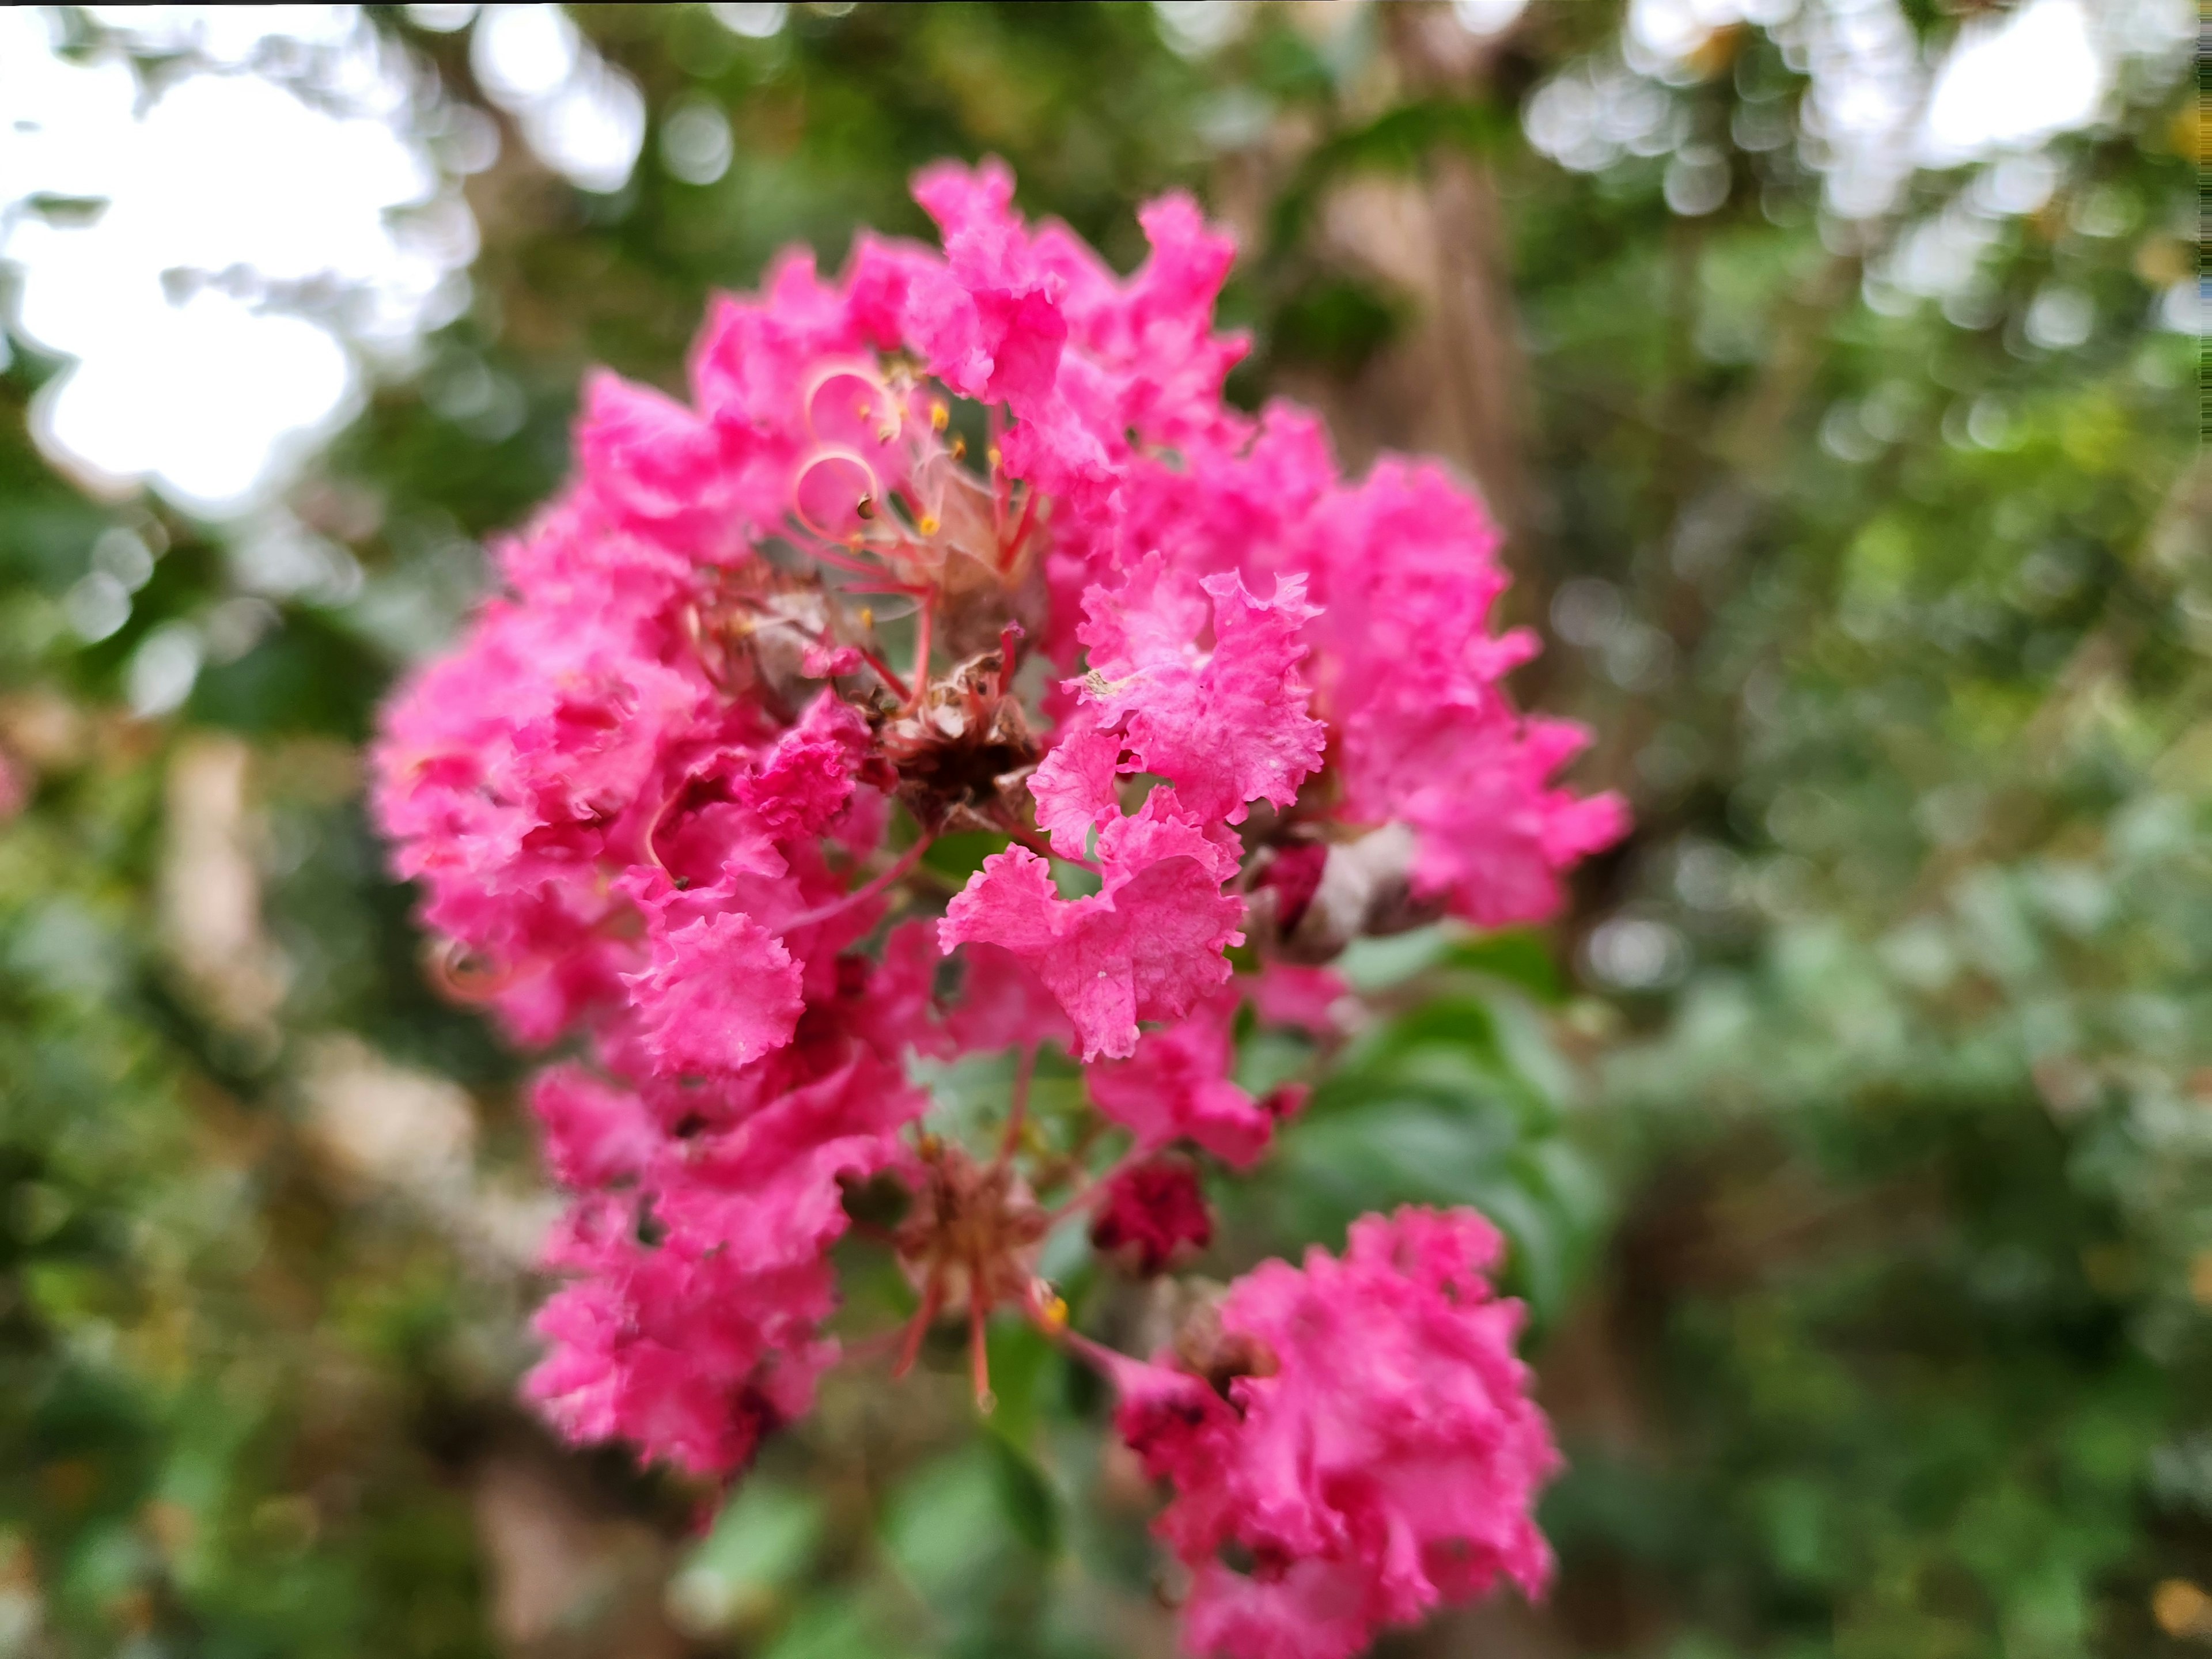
pixel 657 465
pixel 809 774
pixel 1003 1005
pixel 696 1343
pixel 768 1192
pixel 1146 946
pixel 1073 785
pixel 1177 1086
pixel 1406 565
pixel 1163 829
pixel 1314 1609
pixel 1227 726
pixel 824 662
pixel 1152 621
pixel 1383 1460
pixel 989 321
pixel 719 993
pixel 1307 999
pixel 1495 833
pixel 595 1131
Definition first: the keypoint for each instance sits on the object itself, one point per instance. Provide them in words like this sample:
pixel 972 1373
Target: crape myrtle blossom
pixel 970 541
pixel 1358 1431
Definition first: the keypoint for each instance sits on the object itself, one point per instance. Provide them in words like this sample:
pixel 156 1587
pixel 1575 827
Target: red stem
pixel 1037 844
pixel 1009 637
pixel 932 1298
pixel 996 461
pixel 1017 1113
pixel 921 629
pixel 867 890
pixel 891 678
pixel 1087 1188
pixel 978 1357
pixel 1013 545
pixel 827 551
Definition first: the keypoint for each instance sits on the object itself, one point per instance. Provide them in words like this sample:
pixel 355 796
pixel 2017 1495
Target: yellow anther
pixel 860 410
pixel 867 618
pixel 1055 1314
pixel 959 447
pixel 928 525
pixel 940 417
pixel 996 459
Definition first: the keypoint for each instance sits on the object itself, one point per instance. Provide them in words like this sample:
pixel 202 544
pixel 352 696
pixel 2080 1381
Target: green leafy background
pixel 1852 1131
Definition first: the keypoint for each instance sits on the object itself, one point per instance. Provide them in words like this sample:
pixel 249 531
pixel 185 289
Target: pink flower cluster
pixel 970 541
pixel 1359 1432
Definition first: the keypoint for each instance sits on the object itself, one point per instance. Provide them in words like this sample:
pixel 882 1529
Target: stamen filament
pixel 865 495
pixel 827 549
pixel 979 1356
pixel 932 1299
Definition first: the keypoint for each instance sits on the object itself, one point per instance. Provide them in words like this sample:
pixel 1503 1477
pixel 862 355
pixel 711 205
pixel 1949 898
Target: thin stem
pixel 996 461
pixel 866 890
pixel 1037 843
pixel 979 1356
pixel 1012 547
pixel 1018 1113
pixel 1094 1353
pixel 921 630
pixel 1068 1166
pixel 832 454
pixel 1087 1188
pixel 831 552
pixel 890 676
pixel 932 1298
pixel 864 1350
pixel 822 637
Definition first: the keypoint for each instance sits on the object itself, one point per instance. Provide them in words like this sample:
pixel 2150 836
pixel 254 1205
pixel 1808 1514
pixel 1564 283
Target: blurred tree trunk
pixel 1467 373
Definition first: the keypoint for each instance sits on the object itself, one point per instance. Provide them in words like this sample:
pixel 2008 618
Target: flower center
pixel 971 1237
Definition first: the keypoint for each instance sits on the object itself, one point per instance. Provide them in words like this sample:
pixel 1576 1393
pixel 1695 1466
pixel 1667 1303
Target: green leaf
pixel 1026 1496
pixel 1521 959
pixel 763 1541
pixel 960 854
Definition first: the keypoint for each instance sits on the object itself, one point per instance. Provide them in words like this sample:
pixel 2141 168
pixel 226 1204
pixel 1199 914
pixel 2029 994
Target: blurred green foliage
pixel 1853 1133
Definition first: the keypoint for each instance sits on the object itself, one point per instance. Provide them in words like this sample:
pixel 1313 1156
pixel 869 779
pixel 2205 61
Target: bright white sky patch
pixel 1487 17
pixel 2014 82
pixel 1671 30
pixel 253 248
pixel 584 116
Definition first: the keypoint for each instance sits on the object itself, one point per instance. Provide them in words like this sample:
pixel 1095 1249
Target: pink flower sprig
pixel 1350 1443
pixel 970 540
